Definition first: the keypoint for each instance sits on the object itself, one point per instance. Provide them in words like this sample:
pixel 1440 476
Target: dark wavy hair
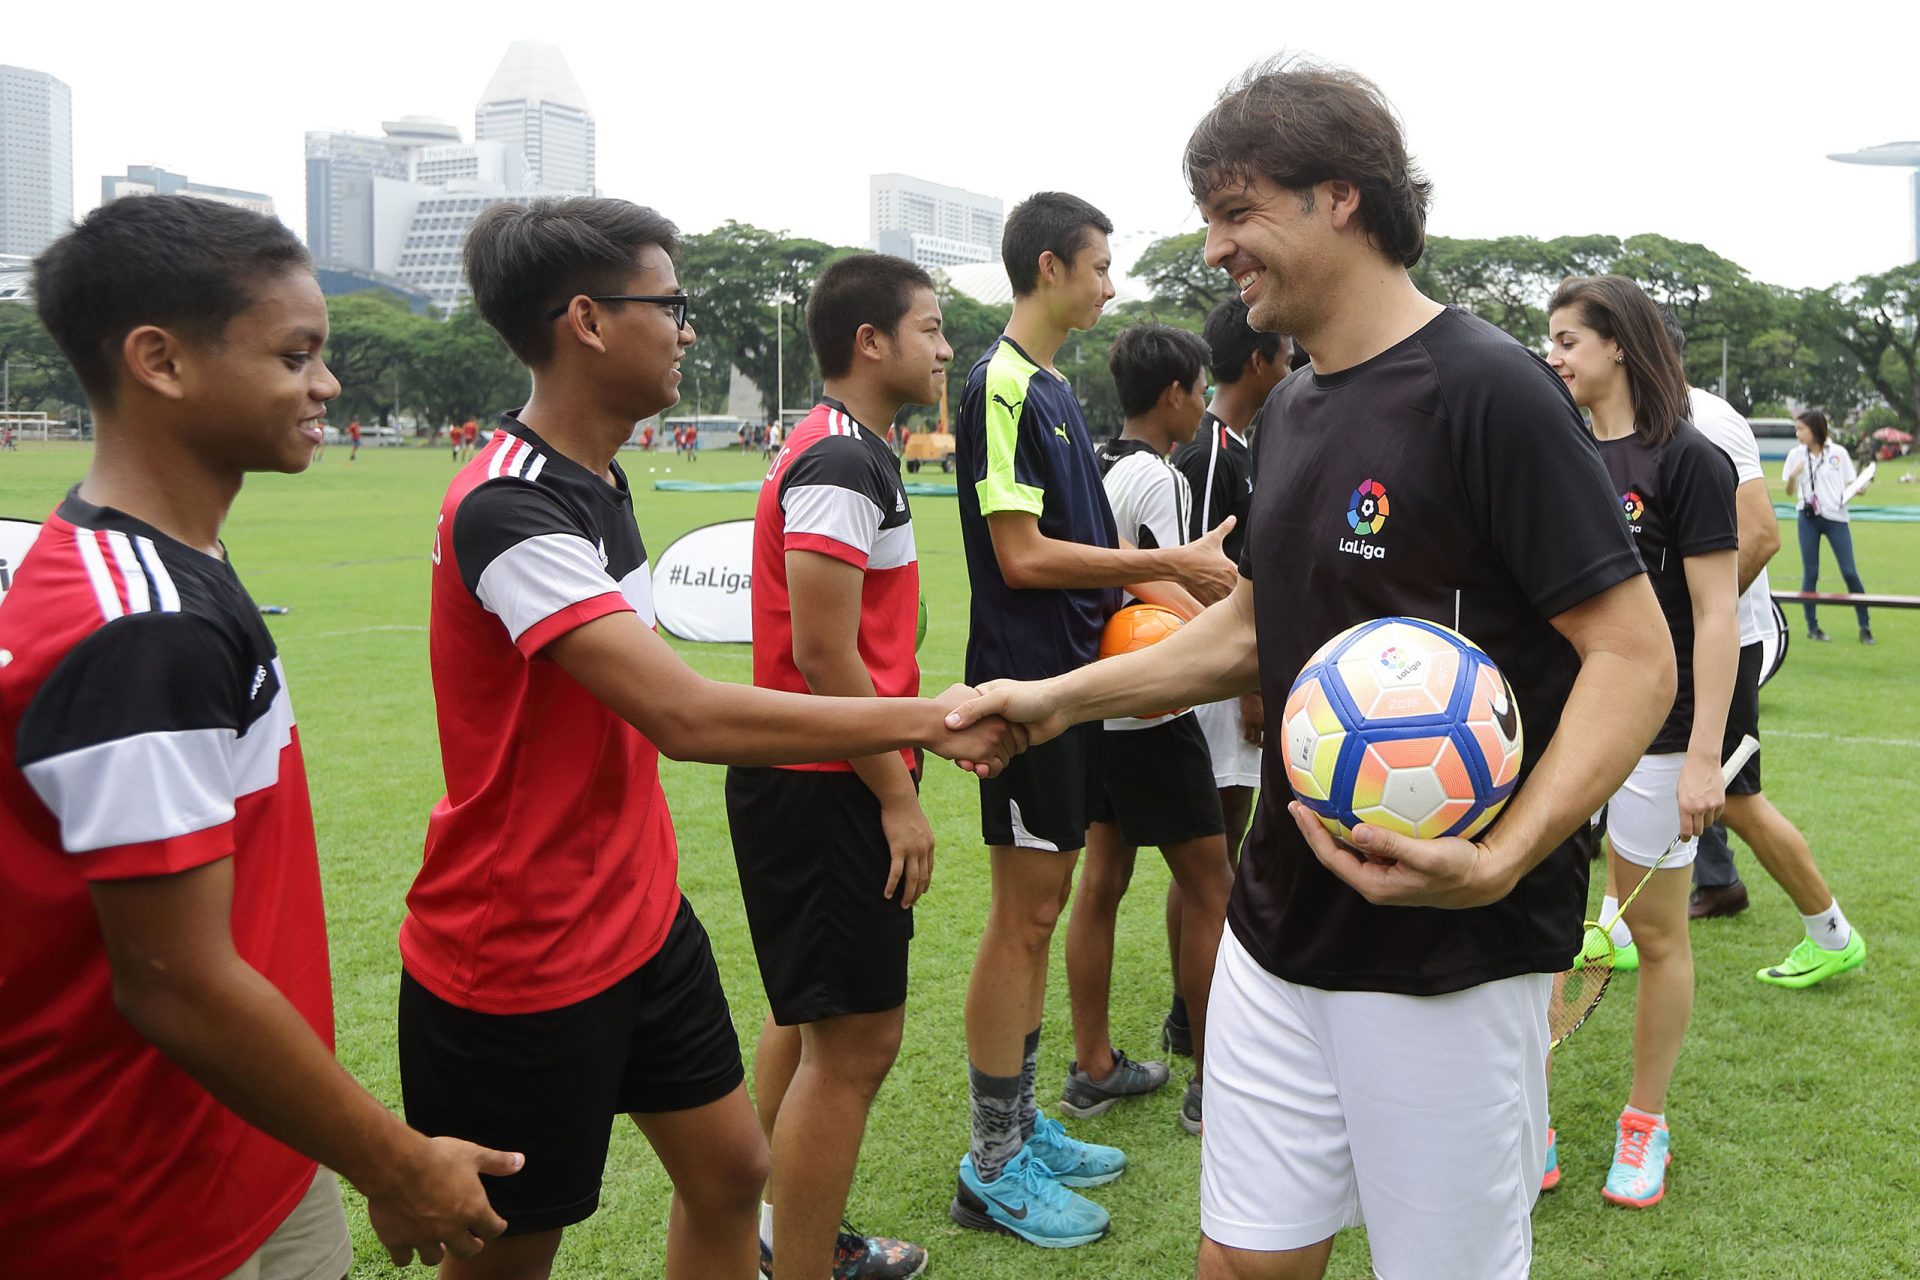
pixel 1298 123
pixel 1620 311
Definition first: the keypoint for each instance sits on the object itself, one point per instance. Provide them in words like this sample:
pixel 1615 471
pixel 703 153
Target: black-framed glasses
pixel 676 302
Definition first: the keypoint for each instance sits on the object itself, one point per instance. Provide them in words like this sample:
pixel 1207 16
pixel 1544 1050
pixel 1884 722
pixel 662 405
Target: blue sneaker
pixel 1070 1161
pixel 1026 1202
pixel 1551 1178
pixel 1639 1175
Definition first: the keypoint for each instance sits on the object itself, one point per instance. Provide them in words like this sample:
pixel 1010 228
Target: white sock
pixel 1830 928
pixel 766 1223
pixel 1658 1117
pixel 1622 936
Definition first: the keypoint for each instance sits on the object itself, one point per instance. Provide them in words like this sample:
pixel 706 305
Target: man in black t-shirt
pixel 1502 525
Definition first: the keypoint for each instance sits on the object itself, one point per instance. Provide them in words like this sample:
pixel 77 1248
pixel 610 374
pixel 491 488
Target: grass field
pixel 1793 1113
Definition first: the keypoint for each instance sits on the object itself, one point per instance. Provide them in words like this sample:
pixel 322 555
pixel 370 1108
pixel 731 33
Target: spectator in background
pixel 1817 474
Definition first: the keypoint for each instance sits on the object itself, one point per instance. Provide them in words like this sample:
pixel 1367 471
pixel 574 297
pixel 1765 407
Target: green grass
pixel 1792 1112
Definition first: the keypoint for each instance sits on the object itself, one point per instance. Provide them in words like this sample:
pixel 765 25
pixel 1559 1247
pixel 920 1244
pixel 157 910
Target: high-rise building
pixel 151 180
pixel 343 172
pixel 36 160
pixel 397 208
pixel 933 225
pixel 1899 155
pixel 533 103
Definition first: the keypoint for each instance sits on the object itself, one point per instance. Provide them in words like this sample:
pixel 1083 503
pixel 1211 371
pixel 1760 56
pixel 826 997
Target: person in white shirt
pixel 1817 474
pixel 1832 945
pixel 1153 778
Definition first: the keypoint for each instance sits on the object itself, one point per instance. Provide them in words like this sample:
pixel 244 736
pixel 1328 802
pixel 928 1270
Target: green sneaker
pixel 1625 959
pixel 1809 962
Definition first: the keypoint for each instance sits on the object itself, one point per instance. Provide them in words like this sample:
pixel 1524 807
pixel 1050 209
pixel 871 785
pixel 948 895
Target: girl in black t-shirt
pixel 1607 341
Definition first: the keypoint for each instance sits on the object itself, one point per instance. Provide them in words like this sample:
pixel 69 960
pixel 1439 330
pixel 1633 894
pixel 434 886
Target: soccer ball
pixel 1135 627
pixel 1403 724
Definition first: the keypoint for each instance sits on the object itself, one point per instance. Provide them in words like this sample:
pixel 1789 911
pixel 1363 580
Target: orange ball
pixel 1136 627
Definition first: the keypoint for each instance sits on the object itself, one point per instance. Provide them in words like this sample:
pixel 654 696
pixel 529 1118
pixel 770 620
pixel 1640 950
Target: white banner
pixel 702 584
pixel 15 537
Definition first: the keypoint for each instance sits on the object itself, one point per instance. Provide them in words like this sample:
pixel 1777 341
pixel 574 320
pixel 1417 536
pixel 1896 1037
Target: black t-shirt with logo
pixel 1448 478
pixel 1678 500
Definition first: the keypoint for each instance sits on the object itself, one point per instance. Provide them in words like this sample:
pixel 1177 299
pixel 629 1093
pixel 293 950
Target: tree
pixel 372 339
pixel 734 272
pixel 1876 320
pixel 461 369
pixel 39 378
pixel 1175 269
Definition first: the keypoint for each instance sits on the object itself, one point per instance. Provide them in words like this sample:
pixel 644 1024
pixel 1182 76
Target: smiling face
pixel 1277 251
pixel 917 354
pixel 1585 361
pixel 254 400
pixel 643 340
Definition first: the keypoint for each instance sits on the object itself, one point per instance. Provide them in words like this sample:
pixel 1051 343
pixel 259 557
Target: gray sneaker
pixel 1190 1107
pixel 1083 1097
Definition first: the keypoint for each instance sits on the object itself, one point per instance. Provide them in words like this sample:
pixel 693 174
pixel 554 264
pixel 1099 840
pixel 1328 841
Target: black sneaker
pixel 1817 634
pixel 1190 1107
pixel 859 1256
pixel 1083 1097
pixel 1866 636
pixel 1176 1037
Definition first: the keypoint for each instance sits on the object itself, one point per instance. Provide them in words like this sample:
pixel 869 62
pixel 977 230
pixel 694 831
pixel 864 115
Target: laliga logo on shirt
pixel 1366 513
pixel 1633 508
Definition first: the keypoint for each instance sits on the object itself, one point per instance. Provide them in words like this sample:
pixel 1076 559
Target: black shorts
pixel 813 862
pixel 1039 801
pixel 549 1084
pixel 1743 717
pixel 1157 784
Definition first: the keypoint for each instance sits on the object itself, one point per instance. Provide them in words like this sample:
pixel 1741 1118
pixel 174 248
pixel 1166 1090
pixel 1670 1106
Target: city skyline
pixel 1500 107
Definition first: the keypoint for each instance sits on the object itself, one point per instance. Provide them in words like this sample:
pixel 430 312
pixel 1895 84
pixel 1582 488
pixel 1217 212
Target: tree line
pixel 1853 348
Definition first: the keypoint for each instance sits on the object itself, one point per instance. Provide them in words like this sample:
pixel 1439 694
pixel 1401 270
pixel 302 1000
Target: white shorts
pixel 1236 762
pixel 1644 815
pixel 311 1244
pixel 1423 1118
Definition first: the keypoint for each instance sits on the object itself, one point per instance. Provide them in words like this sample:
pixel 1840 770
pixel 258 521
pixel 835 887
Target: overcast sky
pixel 1539 119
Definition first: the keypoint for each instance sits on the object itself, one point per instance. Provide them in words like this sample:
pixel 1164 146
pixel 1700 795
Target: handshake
pixel 985 728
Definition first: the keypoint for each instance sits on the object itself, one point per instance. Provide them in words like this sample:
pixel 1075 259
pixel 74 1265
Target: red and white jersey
pixel 550 866
pixel 145 730
pixel 835 489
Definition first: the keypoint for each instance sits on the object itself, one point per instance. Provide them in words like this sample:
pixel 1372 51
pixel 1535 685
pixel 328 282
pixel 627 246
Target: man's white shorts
pixel 1644 815
pixel 1236 763
pixel 1423 1118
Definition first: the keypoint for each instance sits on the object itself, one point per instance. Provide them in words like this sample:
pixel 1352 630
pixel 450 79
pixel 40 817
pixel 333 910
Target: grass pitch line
pixel 1913 743
pixel 357 631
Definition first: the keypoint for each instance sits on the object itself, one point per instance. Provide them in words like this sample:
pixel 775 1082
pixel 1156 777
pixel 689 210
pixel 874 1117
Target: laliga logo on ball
pixel 1631 504
pixel 1404 724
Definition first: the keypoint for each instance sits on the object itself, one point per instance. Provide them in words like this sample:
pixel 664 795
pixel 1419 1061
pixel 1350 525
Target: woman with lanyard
pixel 1607 342
pixel 1817 474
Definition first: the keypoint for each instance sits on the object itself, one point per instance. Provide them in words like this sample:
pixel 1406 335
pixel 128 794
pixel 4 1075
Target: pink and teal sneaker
pixel 1551 1178
pixel 1638 1178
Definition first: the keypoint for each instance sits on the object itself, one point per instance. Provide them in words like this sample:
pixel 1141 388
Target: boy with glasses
pixel 554 975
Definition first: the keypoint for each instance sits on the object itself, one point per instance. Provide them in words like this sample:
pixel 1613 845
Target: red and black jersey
pixel 550 866
pixel 145 730
pixel 835 489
